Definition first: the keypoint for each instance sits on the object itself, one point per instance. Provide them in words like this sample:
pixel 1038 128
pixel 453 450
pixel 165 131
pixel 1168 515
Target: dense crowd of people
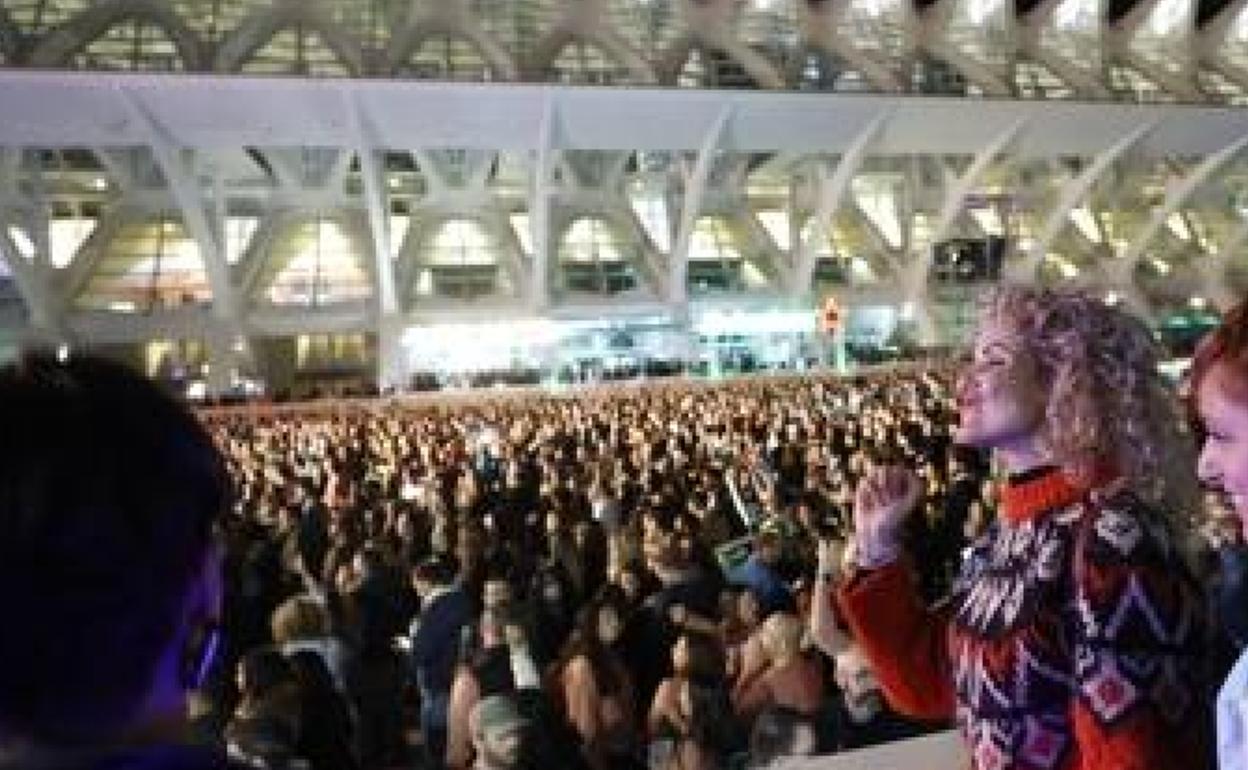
pixel 677 575
pixel 633 564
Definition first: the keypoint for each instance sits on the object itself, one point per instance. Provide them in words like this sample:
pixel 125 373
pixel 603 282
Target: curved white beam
pixel 695 191
pixel 1074 193
pixel 186 193
pixel 961 188
pixel 33 288
pixel 1175 198
pixel 832 189
pixel 368 152
pixel 546 157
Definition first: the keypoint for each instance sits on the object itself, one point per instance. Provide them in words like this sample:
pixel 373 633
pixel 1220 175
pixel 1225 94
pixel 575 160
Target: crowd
pixel 634 566
pixel 676 576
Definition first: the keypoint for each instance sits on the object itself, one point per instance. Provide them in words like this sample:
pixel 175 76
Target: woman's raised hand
pixel 885 497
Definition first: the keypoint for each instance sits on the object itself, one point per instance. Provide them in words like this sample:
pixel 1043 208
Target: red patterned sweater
pixel 1071 640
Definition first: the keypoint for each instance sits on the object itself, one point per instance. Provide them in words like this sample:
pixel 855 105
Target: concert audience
pixel 629 576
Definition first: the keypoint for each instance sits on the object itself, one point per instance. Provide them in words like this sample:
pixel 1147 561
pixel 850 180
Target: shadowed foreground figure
pixel 109 493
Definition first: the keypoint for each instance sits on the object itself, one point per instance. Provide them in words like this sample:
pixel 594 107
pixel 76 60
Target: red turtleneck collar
pixel 1032 493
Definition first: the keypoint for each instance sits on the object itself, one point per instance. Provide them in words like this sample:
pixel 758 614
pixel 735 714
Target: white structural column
pixel 184 186
pixel 695 191
pixel 391 360
pixel 1073 194
pixel 545 160
pixel 955 199
pixel 962 187
pixel 365 147
pixel 1175 199
pixel 832 190
pixel 46 325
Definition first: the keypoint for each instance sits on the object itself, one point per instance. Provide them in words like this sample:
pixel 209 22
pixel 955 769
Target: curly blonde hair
pixel 1108 401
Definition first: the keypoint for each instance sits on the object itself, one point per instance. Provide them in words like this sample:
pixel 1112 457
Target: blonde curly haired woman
pixel 1072 637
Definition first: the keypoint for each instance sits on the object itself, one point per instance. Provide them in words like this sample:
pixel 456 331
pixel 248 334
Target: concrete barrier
pixel 942 751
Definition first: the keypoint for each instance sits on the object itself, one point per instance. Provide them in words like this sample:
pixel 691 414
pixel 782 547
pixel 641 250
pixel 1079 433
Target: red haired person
pixel 1072 637
pixel 1219 389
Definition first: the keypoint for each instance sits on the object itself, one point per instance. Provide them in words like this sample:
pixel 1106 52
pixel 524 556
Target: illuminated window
pixel 713 241
pixel 132 45
pixel 321 352
pixel 459 260
pixel 448 58
pixel 593 258
pixel 523 228
pixel 1130 84
pixel 34 17
pixel 715 259
pixel 1033 80
pixel 650 206
pixel 399 226
pixel 22 242
pixel 316 263
pixel 583 63
pixel 66 235
pixel 778 225
pixel 461 242
pixel 296 51
pixel 238 234
pixel 147 266
pixel 175 360
pixel 877 196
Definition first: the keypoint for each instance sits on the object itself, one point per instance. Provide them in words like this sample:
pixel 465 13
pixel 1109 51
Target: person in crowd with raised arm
pixel 1073 637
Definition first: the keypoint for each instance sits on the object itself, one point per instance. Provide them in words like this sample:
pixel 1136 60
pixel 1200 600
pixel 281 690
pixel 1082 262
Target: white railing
pixel 942 751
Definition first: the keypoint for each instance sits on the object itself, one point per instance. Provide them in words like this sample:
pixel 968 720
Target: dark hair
pixel 109 490
pixel 712 723
pixel 586 642
pixel 437 570
pixel 264 670
pixel 774 733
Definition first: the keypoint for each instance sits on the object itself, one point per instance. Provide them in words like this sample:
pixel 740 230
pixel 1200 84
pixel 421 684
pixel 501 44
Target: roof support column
pixel 391 363
pixel 543 198
pixel 1073 194
pixel 228 325
pixel 832 190
pixel 695 191
pixel 1175 198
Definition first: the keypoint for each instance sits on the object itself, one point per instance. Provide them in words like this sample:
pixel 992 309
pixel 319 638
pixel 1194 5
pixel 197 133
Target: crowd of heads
pixel 655 546
pixel 609 526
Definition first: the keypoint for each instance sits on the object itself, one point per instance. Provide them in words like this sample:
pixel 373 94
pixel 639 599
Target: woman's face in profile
pixel 1000 396
pixel 1224 457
